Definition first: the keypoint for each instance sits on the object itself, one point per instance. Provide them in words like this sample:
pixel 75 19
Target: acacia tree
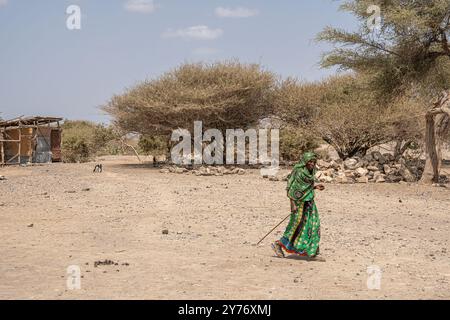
pixel 221 95
pixel 409 50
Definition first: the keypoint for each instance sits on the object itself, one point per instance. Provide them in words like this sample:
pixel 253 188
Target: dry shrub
pixel 359 119
pixel 350 119
pixel 346 113
pixel 407 123
pixel 294 141
pixel 296 103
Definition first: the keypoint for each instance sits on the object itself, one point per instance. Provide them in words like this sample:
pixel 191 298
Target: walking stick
pixel 273 228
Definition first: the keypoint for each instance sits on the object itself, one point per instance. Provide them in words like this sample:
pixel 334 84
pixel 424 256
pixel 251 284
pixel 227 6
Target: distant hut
pixel 30 140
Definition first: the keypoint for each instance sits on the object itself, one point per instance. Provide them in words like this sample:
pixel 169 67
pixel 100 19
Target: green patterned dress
pixel 302 235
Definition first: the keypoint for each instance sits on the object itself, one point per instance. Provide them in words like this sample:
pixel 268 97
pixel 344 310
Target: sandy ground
pixel 47 223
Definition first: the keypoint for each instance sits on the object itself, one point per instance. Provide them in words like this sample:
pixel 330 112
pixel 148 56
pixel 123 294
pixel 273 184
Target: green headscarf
pixel 300 184
pixel 307 157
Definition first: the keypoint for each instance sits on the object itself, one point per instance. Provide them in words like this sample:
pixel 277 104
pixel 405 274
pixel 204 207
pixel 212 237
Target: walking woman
pixel 302 235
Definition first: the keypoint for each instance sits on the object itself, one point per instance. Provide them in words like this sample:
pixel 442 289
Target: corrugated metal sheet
pixel 43 144
pixel 43 152
pixel 43 157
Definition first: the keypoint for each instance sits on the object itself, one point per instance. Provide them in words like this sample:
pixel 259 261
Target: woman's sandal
pixel 278 250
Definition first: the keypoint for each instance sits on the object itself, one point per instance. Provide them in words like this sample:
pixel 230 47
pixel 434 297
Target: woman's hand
pixel 320 187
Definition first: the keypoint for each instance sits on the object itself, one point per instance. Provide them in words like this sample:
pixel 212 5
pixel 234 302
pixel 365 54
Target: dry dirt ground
pixel 58 215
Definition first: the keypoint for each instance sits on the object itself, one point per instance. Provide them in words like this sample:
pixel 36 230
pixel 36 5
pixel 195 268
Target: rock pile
pixel 374 167
pixel 204 170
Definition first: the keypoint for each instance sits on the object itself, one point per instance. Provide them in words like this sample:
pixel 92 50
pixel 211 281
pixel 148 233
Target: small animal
pixel 98 168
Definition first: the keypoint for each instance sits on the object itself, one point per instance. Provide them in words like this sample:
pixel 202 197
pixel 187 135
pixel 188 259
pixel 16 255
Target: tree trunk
pixel 437 126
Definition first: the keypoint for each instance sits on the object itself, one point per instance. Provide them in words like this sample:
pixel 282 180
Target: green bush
pixel 82 140
pixel 154 145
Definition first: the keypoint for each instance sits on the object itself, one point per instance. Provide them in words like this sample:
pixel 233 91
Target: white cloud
pixel 239 12
pixel 140 6
pixel 3 3
pixel 195 32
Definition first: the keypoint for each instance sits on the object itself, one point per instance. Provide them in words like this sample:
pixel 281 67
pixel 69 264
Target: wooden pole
pixel 33 143
pixel 273 229
pixel 20 141
pixel 2 148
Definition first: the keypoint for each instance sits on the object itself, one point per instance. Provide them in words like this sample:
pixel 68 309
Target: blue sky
pixel 47 69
